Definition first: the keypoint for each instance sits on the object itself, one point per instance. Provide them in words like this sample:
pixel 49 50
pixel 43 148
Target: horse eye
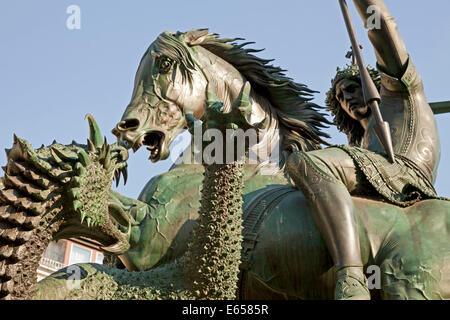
pixel 165 65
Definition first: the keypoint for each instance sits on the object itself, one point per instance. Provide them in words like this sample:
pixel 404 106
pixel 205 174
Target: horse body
pixel 284 256
pixel 410 247
pixel 174 200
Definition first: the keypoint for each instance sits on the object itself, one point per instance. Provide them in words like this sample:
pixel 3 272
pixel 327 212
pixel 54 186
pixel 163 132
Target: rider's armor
pixel 415 141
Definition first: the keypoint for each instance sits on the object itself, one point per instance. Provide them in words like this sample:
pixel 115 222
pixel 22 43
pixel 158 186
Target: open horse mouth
pixel 154 141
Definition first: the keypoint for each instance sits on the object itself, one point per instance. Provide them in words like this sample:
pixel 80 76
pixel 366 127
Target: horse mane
pixel 299 118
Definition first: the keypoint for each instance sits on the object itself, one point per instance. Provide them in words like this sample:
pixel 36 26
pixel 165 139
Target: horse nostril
pixel 128 124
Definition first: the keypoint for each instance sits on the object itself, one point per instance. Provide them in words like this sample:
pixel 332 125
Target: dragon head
pixel 79 177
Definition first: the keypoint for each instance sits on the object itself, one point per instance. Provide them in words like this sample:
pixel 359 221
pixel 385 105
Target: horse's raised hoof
pixel 351 285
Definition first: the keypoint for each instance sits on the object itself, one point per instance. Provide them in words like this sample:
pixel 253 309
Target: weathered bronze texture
pixel 328 177
pixel 181 239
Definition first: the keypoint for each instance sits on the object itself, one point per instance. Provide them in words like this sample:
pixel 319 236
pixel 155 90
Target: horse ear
pixel 195 37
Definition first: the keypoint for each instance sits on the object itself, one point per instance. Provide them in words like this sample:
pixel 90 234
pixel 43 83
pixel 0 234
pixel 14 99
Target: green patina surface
pixel 49 190
pixel 208 270
pixel 290 259
pixel 153 236
pixel 209 267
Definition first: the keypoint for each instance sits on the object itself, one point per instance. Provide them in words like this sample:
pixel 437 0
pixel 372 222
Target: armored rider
pixel 330 176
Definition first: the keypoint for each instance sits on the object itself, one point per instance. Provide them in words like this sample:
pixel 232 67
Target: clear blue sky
pixel 50 76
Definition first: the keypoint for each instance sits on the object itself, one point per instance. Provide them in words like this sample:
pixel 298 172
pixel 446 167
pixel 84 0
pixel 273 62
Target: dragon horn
pixel 94 132
pixel 83 158
pixel 91 147
pixel 65 155
pixel 103 150
pixel 83 216
pixel 107 160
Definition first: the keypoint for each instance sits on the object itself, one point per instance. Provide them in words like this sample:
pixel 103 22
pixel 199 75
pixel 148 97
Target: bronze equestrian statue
pixel 283 253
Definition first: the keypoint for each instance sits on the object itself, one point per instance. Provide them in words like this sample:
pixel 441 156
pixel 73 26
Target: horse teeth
pixel 154 154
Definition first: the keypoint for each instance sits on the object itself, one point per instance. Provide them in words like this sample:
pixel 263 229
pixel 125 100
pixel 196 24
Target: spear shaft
pixel 371 95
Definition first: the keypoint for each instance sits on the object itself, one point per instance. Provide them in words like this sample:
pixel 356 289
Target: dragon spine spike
pixel 17 169
pixel 80 169
pixel 94 132
pixel 24 186
pixel 55 156
pixel 107 160
pixel 16 152
pixel 102 153
pixel 77 182
pixel 75 193
pixel 64 156
pixel 91 146
pixel 83 216
pixel 77 205
pixel 83 158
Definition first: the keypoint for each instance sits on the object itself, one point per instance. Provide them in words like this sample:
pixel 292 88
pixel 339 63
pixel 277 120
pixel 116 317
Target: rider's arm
pixel 390 49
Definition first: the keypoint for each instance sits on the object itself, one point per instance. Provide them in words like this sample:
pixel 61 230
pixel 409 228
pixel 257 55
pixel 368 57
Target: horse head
pixel 171 80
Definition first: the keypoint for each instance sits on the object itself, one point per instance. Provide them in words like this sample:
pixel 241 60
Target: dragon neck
pixel 214 254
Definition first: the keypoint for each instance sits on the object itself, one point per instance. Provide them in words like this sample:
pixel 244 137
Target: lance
pixel 440 107
pixel 371 95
